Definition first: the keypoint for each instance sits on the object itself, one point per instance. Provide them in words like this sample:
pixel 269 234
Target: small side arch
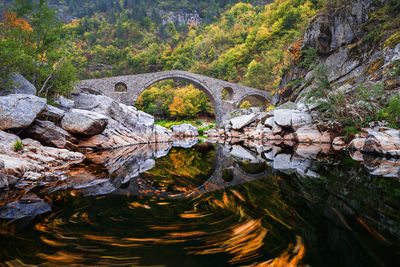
pixel 262 98
pixel 227 94
pixel 121 87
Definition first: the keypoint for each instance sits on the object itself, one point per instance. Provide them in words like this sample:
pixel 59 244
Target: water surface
pixel 209 205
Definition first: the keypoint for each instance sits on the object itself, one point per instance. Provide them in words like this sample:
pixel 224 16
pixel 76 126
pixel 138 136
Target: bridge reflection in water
pixel 130 170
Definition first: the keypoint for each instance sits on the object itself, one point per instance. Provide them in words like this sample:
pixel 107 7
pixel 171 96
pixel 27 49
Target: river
pixel 207 205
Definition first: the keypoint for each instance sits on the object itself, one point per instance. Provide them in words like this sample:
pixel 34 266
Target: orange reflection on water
pixel 291 257
pixel 243 241
pixel 62 257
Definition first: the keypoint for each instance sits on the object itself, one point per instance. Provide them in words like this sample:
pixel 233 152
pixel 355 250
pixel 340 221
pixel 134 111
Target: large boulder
pixel 84 122
pixel 290 118
pixel 19 111
pixel 184 130
pixel 311 134
pixel 49 134
pixel 161 134
pixel 283 117
pixel 242 121
pixel 122 115
pixel 17 84
pixel 383 143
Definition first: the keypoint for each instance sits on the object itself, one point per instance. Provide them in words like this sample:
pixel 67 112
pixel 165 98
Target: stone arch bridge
pixel 126 89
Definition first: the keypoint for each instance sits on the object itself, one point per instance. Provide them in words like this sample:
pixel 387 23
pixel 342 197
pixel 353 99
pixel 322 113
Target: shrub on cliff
pixel 392 112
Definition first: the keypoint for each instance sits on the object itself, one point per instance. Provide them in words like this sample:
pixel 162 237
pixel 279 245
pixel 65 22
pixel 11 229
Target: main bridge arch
pixel 182 76
pixel 134 85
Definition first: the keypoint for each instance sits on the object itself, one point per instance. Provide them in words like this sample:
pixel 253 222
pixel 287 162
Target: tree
pixel 177 108
pixel 39 47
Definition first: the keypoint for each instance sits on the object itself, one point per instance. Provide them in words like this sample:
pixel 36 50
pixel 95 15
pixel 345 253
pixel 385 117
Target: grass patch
pixel 18 146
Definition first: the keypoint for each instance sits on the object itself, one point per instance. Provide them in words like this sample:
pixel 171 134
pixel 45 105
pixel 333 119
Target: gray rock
pixel 383 143
pixel 65 103
pixel 269 122
pixel 19 111
pixel 17 84
pixel 84 122
pixel 236 113
pixel 98 187
pixel 47 133
pixel 262 117
pixel 185 129
pixel 29 206
pixel 242 121
pixel 162 134
pixel 283 117
pixel 52 113
pixel 300 119
pixel 121 115
pixel 311 134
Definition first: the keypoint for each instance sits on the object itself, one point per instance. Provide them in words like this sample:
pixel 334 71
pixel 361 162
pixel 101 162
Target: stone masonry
pixel 126 89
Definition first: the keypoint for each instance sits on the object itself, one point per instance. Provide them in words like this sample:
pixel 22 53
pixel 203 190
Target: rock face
pixel 84 122
pixel 336 34
pixel 17 84
pixel 19 111
pixel 49 134
pixel 184 130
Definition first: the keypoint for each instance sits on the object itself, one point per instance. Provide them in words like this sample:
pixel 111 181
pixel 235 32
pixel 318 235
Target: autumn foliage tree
pixel 31 44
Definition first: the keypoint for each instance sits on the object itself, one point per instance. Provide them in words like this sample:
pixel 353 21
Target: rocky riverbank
pixel 37 139
pixel 291 124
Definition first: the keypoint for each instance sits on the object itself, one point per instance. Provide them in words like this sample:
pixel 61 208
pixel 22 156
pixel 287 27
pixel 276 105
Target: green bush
pixel 393 6
pixel 206 128
pixel 392 112
pixel 18 146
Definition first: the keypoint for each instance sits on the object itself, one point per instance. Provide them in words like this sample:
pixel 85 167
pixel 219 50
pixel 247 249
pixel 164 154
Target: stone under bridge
pixel 126 89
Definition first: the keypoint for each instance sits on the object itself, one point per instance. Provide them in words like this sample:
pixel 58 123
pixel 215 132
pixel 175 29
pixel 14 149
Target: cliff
pixel 356 45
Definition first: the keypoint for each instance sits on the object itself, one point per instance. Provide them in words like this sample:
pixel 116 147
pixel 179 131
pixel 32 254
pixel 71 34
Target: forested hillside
pixel 247 44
